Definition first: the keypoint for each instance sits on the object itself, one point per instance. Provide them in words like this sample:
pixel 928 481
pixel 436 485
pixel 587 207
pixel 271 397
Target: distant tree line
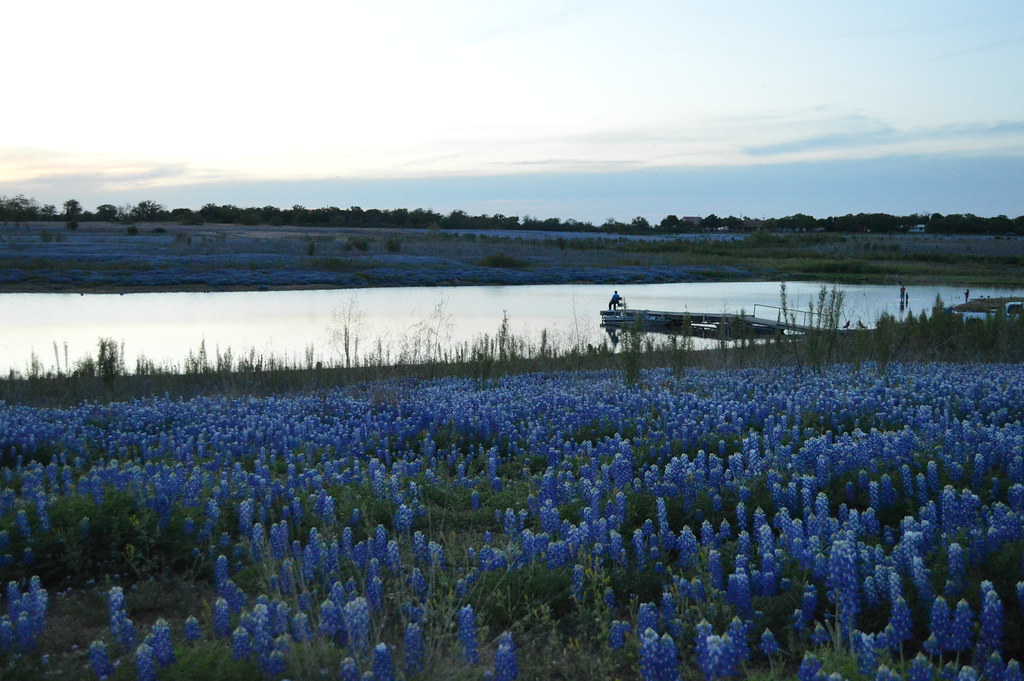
pixel 19 209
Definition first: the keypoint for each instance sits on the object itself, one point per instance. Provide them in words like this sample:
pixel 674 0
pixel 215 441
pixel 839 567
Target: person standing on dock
pixel 967 294
pixel 616 300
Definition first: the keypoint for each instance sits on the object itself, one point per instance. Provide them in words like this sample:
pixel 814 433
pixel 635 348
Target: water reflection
pixel 165 327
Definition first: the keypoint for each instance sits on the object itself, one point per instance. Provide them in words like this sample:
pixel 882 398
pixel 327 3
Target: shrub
pixel 503 261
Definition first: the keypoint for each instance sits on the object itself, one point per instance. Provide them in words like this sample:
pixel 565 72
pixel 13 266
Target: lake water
pixel 166 327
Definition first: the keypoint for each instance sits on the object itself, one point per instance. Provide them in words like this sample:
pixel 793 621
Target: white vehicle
pixel 1011 310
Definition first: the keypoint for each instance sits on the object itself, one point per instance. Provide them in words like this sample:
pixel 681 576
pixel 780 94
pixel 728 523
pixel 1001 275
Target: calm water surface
pixel 165 327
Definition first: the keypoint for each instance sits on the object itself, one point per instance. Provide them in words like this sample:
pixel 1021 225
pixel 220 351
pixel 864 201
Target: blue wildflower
pixel 191 629
pixel 506 667
pixel 163 649
pixel 145 667
pixel 99 660
pixel 467 634
pixel 356 617
pixel 769 646
pixel 383 667
pixel 809 668
pixel 961 627
pixel 413 649
pixel 617 634
pixel 658 657
pixel 241 645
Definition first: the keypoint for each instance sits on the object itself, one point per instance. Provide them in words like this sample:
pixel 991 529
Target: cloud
pixel 32 170
pixel 882 139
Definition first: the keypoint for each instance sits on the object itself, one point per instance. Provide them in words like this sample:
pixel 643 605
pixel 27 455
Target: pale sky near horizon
pixel 573 109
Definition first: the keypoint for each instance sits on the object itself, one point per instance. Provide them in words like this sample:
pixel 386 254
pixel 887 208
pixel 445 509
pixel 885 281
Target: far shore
pixel 110 258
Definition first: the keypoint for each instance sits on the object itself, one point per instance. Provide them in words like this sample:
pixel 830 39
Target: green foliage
pixel 115 536
pixel 357 243
pixel 505 597
pixel 503 261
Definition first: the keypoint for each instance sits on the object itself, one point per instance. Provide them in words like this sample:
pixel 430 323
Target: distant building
pixel 916 229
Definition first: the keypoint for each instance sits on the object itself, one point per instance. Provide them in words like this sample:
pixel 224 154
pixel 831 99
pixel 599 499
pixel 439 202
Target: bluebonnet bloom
pixel 991 634
pixel 739 594
pixel 867 653
pixel 967 673
pixel 506 667
pixel 715 569
pixel 7 634
pixel 413 649
pixel 843 580
pixel 809 668
pixel 467 634
pixel 220 571
pixel 383 667
pixel 961 627
pixel 993 668
pixel 418 583
pixel 819 635
pixel 646 618
pixel 356 616
pixel 23 524
pixel 938 622
pixel 577 582
pixel 883 673
pixel 901 623
pixel 921 669
pixel 99 660
pixel 402 519
pixel 617 634
pixel 715 656
pixel 739 645
pixel 1013 671
pixel 163 649
pixel 330 619
pixel 120 626
pixel 769 646
pixel 375 593
pixel 658 657
pixel 241 645
pixel 349 670
pixel 221 618
pixel 191 629
pixel 956 570
pixel 258 625
pixel 145 667
pixel 302 630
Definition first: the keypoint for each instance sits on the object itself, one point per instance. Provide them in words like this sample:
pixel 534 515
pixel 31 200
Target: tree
pixel 711 222
pixel 146 211
pixel 106 212
pixel 72 209
pixel 18 209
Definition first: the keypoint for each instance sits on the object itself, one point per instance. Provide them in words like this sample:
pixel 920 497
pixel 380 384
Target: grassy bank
pixel 166 257
pixel 933 336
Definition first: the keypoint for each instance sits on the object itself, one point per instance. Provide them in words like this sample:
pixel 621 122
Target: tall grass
pixel 428 352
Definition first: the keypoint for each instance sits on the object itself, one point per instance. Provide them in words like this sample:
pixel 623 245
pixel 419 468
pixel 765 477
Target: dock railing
pixel 781 312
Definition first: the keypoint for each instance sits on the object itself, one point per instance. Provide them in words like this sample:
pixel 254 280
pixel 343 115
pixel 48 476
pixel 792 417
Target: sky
pixel 552 108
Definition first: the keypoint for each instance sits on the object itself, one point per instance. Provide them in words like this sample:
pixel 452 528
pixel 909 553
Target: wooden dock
pixel 706 324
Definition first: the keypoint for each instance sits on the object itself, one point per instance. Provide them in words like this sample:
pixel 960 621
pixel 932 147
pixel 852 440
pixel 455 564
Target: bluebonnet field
pixel 99 257
pixel 849 523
